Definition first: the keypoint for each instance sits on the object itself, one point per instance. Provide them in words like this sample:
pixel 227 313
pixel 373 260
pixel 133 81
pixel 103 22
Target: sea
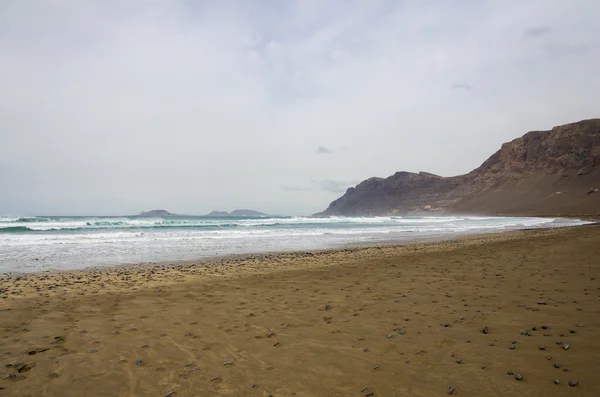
pixel 46 243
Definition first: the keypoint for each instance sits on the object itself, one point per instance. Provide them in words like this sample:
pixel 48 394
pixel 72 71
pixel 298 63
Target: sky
pixel 118 106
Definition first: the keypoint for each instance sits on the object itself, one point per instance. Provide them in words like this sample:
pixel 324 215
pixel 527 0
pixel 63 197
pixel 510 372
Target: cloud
pixel 324 150
pixel 109 107
pixel 334 186
pixel 536 31
pixel 461 86
pixel 296 188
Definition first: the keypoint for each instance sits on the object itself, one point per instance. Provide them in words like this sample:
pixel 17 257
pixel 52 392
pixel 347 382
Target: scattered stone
pixel 524 332
pixel 485 330
pixel 512 347
pixel 544 327
pixel 566 369
pixel 557 365
pixel 227 363
pixel 571 331
pixel 53 375
pixel 402 332
pixel 556 381
pixel 139 363
pixel 390 335
pixel 510 373
pixel 214 378
pixel 566 346
pixel 458 361
pixel 483 367
pixel 376 367
pixel 549 358
pixel 369 394
pixel 450 390
pixel 558 342
pixel 573 383
pixel 519 377
pixel 542 347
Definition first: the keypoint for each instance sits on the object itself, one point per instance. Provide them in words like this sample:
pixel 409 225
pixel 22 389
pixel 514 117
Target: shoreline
pixel 211 260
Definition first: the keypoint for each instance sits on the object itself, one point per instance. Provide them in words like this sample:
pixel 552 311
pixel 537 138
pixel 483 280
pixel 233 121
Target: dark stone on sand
pixel 573 383
pixel 524 332
pixel 519 377
pixel 483 367
pixel 558 342
pixel 512 347
pixel 390 335
pixel 557 365
pixel 53 375
pixel 485 330
pixel 458 361
pixel 572 331
pixel 214 378
pixel 544 327
pixel 510 373
pixel 10 377
pixel 542 347
pixel 556 381
pixel 226 363
pixel 450 390
pixel 566 369
pixel 402 332
pixel 549 358
pixel 514 342
pixel 370 394
pixel 139 363
pixel 534 329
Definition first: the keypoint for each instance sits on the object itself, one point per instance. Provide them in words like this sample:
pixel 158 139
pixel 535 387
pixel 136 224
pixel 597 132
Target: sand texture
pixel 379 321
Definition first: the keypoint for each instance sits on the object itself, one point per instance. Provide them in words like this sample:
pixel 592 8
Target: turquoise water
pixel 71 242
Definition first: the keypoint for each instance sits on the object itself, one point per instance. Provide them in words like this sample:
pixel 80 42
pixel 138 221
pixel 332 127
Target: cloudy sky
pixel 112 107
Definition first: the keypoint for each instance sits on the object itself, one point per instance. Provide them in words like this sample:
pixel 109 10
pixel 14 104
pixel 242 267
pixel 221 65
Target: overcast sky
pixel 113 107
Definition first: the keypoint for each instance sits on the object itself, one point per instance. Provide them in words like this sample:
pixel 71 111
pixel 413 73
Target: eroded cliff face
pixel 541 173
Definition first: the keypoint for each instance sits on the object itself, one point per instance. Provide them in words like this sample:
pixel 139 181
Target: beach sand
pixel 379 321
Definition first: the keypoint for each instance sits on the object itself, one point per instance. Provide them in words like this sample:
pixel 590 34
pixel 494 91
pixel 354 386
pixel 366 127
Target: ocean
pixel 40 243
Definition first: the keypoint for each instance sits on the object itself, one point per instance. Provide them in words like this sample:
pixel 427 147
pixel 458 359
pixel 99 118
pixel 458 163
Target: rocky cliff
pixel 541 173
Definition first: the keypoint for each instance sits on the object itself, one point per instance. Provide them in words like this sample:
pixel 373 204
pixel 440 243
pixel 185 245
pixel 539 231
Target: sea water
pixel 39 243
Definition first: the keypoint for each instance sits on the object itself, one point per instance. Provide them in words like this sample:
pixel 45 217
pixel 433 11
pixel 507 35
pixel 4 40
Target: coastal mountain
pixel 156 213
pixel 541 173
pixel 236 213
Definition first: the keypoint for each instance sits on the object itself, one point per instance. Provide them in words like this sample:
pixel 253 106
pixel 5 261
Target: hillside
pixel 541 173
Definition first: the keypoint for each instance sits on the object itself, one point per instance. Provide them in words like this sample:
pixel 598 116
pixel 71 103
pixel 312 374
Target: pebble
pixel 402 332
pixel 510 373
pixel 483 367
pixel 544 327
pixel 566 346
pixel 215 378
pixel 566 369
pixel 524 332
pixel 542 347
pixel 485 330
pixel 458 361
pixel 557 365
pixel 519 377
pixel 376 367
pixel 369 394
pixel 573 383
pixel 53 375
pixel 390 335
pixel 572 331
pixel 450 390
pixel 512 347
pixel 556 381
pixel 228 363
pixel 549 358
pixel 139 363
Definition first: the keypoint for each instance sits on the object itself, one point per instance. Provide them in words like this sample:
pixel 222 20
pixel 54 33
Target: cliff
pixel 541 173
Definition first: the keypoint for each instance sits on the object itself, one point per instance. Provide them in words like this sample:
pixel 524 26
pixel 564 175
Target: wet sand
pixel 378 321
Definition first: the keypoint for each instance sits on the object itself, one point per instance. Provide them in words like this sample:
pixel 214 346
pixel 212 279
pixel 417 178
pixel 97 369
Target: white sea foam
pixel 42 243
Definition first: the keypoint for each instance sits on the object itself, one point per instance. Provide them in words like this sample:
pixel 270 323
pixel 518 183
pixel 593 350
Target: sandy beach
pixel 496 315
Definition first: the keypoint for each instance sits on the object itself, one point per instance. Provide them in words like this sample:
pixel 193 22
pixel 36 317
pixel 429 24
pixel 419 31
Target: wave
pixel 15 229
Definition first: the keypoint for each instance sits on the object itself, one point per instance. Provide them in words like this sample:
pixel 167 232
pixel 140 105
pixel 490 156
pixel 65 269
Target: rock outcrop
pixel 540 173
pixel 236 213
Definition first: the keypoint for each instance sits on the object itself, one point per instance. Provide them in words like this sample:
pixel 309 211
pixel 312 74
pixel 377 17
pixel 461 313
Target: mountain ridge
pixel 540 173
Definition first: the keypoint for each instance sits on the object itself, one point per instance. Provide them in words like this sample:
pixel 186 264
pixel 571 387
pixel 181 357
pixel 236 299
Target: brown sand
pixel 396 320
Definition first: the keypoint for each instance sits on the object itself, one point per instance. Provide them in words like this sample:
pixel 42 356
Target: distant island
pixel 156 213
pixel 237 213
